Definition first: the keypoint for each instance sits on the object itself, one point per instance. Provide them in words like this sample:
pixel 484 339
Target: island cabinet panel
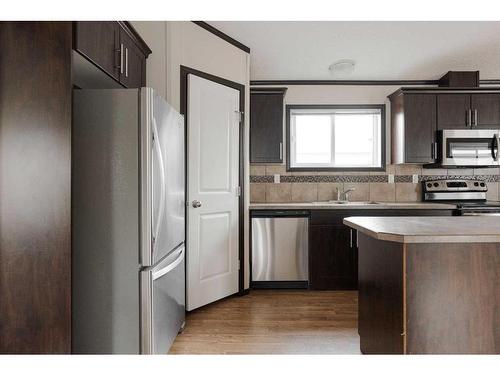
pixel 453 298
pixel 380 308
pixel 428 298
pixel 332 258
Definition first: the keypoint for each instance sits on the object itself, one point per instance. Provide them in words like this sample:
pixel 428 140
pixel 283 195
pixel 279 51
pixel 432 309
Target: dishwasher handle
pixel 280 213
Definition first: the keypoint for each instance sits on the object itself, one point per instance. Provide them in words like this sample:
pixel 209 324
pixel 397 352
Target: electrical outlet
pixel 415 179
pixel 276 178
pixel 390 178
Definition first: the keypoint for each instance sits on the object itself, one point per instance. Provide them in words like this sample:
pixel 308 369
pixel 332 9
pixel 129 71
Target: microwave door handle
pixel 494 147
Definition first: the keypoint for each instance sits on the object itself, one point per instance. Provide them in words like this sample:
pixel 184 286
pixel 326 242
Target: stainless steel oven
pixel 468 148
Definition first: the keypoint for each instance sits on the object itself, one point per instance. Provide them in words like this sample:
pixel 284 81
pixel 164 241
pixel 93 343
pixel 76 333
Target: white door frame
pixel 185 71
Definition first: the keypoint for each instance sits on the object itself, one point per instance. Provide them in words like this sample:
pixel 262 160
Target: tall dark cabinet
pixel 35 168
pixel 35 186
pixel 266 125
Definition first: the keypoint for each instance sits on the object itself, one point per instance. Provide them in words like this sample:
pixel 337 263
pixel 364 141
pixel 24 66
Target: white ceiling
pixel 382 50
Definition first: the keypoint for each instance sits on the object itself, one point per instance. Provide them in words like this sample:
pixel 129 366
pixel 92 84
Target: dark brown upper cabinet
pixel 413 118
pixel 132 62
pixel 266 125
pixel 418 112
pixel 115 47
pixel 463 111
pixel 453 111
pixel 486 110
pixel 98 42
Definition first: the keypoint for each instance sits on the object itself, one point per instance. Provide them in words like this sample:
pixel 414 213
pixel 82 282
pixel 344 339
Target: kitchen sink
pixel 346 203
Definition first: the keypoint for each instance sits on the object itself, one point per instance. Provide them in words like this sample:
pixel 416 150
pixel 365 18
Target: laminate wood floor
pixel 274 322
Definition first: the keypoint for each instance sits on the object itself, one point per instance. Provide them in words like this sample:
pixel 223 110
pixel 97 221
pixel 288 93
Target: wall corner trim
pixel 222 35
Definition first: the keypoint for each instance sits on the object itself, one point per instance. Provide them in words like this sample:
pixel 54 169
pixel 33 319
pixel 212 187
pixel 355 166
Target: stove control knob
pixel 476 183
pixel 436 184
pixel 482 184
pixel 429 185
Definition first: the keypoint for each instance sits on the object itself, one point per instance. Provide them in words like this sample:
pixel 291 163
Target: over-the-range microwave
pixel 468 148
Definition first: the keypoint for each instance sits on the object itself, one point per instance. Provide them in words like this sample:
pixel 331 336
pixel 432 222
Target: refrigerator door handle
pixel 156 146
pixel 162 272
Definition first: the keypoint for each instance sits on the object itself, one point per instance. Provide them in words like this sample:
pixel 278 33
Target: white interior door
pixel 213 159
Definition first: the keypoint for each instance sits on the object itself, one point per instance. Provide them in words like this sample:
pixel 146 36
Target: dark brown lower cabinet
pixel 333 247
pixel 332 257
pixel 35 190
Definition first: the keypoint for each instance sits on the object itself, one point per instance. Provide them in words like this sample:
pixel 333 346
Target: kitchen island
pixel 428 284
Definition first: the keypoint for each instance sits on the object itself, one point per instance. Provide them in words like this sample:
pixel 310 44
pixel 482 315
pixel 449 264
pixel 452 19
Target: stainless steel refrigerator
pixel 128 209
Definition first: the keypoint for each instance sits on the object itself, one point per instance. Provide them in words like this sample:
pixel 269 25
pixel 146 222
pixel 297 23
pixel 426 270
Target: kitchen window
pixel 335 137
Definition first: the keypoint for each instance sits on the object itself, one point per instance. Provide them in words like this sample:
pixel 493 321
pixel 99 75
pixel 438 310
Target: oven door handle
pixel 480 213
pixel 494 147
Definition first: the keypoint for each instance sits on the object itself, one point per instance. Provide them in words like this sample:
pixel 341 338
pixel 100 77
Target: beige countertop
pixel 352 205
pixel 429 229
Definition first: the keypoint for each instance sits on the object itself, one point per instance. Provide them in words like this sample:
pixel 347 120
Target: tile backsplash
pixel 322 186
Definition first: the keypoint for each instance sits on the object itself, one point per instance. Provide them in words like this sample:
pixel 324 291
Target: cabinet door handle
pixel 475 117
pixel 281 150
pixel 469 118
pixel 126 62
pixel 350 237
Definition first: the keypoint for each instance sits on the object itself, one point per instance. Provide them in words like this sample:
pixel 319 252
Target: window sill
pixel 312 169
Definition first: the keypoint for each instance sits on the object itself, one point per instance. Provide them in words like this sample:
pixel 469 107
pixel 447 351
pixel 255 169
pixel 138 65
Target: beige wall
pixel 154 34
pixel 192 46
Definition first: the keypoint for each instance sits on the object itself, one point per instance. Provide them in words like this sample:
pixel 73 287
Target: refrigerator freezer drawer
pixel 280 249
pixel 163 303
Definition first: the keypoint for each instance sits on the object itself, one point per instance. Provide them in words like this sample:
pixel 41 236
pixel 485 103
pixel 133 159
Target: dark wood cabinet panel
pixel 133 74
pixel 266 127
pixel 417 113
pixel 380 306
pixel 115 47
pixel 453 111
pixel 35 188
pixel 99 42
pixel 420 127
pixel 333 247
pixel 413 130
pixel 332 257
pixel 486 110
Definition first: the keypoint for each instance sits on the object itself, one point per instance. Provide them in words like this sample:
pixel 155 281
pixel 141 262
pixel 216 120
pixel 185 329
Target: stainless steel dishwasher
pixel 280 250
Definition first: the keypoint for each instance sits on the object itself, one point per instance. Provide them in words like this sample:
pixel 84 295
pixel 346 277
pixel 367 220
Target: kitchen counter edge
pixel 378 205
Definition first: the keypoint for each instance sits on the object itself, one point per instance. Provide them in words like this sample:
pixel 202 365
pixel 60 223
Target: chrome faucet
pixel 344 196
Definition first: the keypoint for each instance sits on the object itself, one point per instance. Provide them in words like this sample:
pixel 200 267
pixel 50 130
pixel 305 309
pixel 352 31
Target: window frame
pixel 381 107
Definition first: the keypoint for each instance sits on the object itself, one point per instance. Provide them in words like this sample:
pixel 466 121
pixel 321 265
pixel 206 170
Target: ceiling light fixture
pixel 342 67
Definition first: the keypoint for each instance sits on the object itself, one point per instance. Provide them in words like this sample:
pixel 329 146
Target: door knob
pixel 196 204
